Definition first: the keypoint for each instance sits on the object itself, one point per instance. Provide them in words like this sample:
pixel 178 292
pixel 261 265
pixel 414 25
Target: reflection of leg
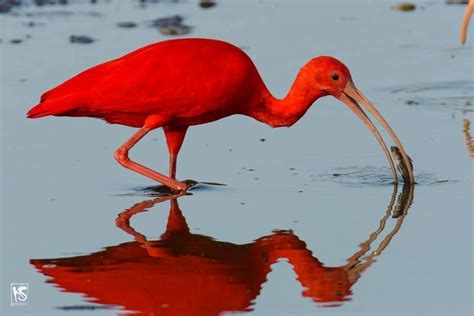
pixel 465 21
pixel 468 137
pixel 123 219
pixel 121 155
pixel 176 221
pixel 174 139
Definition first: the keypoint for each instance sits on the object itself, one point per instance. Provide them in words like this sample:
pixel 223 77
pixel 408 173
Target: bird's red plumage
pixel 183 82
pixel 178 83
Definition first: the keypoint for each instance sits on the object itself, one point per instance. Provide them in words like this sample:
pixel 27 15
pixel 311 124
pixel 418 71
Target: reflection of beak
pixel 465 21
pixel 352 97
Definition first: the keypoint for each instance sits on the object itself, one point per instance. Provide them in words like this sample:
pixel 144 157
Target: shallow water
pixel 320 190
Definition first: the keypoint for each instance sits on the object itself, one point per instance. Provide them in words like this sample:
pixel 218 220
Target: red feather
pixel 185 82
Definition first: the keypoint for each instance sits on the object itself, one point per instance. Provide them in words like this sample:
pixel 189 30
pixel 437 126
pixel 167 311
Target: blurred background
pixel 320 188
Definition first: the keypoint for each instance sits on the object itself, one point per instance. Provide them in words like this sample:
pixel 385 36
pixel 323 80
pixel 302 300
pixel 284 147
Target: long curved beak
pixel 465 21
pixel 353 98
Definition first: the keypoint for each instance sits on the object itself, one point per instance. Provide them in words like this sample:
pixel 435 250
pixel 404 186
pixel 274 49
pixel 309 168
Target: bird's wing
pixel 168 78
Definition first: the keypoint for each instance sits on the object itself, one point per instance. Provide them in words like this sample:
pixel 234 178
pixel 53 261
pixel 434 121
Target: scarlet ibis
pixel 465 22
pixel 175 84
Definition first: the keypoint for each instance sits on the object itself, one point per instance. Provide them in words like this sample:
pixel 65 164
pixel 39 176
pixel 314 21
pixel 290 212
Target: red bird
pixel 178 83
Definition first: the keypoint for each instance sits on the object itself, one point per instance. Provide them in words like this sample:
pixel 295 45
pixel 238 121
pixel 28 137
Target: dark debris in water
pixel 168 21
pixel 81 39
pixel 175 30
pixel 404 7
pixel 373 176
pixel 206 4
pixel 7 6
pixel 412 102
pixel 61 13
pixel 84 307
pixel 457 1
pixel 171 25
pixel 127 24
pixel 16 41
pixel 34 24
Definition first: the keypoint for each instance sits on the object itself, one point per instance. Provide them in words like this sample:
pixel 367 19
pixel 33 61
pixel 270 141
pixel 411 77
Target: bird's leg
pixel 174 139
pixel 121 155
pixel 465 21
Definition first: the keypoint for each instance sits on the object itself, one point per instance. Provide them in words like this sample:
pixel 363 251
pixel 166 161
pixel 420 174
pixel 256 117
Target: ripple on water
pixel 162 190
pixel 439 96
pixel 374 176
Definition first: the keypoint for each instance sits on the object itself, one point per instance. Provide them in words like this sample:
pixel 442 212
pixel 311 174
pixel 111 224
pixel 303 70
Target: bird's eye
pixel 335 77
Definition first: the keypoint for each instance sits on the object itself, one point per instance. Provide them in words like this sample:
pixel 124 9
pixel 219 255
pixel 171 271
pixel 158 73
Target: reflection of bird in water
pixel 189 274
pixel 465 22
pixel 467 135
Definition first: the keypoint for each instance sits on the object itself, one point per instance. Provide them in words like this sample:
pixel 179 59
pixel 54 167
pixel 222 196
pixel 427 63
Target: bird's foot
pixel 163 190
pixel 184 186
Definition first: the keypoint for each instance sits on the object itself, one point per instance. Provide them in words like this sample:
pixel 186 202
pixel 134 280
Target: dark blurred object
pixel 205 4
pixel 168 21
pixel 82 307
pixel 404 201
pixel 16 41
pixel 175 30
pixel 457 1
pixel 412 102
pixel 402 167
pixel 81 39
pixel 172 25
pixel 127 24
pixel 404 7
pixel 7 5
pixel 34 24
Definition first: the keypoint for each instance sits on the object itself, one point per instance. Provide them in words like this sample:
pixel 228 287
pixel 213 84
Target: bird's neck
pixel 287 111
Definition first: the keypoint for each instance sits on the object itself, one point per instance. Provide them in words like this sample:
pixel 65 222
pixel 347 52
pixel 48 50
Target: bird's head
pixel 329 76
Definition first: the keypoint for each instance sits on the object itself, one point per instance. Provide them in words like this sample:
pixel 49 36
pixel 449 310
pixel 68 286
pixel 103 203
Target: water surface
pixel 61 190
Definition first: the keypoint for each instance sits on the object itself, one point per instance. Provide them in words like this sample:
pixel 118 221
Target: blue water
pixel 62 191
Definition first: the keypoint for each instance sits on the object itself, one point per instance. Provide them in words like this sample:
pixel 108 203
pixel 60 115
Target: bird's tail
pixel 37 111
pixel 57 106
